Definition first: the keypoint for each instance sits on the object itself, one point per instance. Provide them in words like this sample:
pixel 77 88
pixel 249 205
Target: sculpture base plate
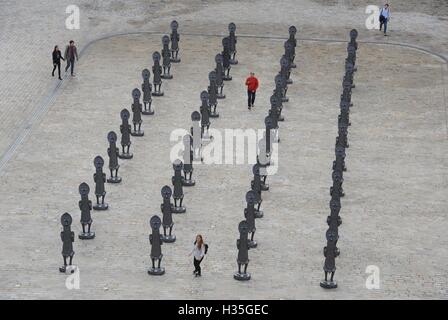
pixel 328 284
pixel 125 156
pixel 221 96
pixel 67 269
pixel 179 209
pixel 86 235
pixel 227 78
pixel 233 61
pixel 114 180
pixel 175 60
pixel 259 214
pixel 156 271
pixel 252 244
pixel 214 115
pixel 157 94
pixel 188 183
pixel 169 239
pixel 139 133
pixel 264 186
pixel 101 206
pixel 242 276
pixel 148 112
pixel 166 76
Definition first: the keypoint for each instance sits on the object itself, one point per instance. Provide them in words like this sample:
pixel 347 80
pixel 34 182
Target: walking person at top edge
pixel 70 54
pixel 57 56
pixel 252 86
pixel 199 251
pixel 384 17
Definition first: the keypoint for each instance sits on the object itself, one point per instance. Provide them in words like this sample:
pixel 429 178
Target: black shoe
pixel 60 78
pixel 52 74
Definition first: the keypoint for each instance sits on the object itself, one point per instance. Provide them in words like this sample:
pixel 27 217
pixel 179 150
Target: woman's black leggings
pixel 58 65
pixel 197 265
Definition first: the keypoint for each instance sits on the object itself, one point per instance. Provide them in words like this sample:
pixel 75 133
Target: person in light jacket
pixel 198 254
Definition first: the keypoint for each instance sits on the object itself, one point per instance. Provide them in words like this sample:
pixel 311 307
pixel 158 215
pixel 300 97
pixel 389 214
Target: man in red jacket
pixel 252 86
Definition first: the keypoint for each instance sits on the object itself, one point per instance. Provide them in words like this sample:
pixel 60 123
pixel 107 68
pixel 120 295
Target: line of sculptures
pixel 331 251
pixel 193 142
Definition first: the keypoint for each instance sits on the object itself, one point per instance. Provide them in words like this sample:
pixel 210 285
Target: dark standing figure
pixel 156 241
pixel 100 178
pixel 125 129
pixel 67 237
pixel 113 152
pixel 57 56
pixel 196 134
pixel 85 205
pixel 249 214
pixel 292 39
pixel 232 37
pixel 175 42
pixel 166 56
pixel 256 187
pixel 157 75
pixel 252 86
pixel 243 252
pixel 284 77
pixel 147 89
pixel 167 219
pixel 330 255
pixel 226 58
pixel 137 114
pixel 177 181
pixel 219 76
pixel 212 95
pixel 188 161
pixel 205 116
pixel 70 54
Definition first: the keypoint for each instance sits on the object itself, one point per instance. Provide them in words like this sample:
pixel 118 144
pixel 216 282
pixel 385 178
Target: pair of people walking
pixel 70 54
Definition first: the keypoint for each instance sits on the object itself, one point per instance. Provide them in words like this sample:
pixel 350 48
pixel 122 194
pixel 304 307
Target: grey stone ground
pixel 394 215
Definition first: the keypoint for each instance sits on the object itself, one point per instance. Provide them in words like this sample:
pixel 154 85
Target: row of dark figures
pixel 259 184
pixel 193 142
pixel 169 55
pixel 331 251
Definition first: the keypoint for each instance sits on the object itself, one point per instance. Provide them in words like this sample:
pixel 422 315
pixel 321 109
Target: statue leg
pixel 83 228
pixel 245 268
pixel 252 236
pixel 128 147
pixel 332 275
pixel 139 125
pixel 153 265
pixel 70 261
pixel 122 146
pixel 135 126
pixel 326 273
pixel 169 68
pixel 88 227
pixel 116 172
pixel 102 198
pixel 180 201
pixel 65 262
pixel 160 261
pixel 97 199
pixel 111 173
pixel 171 229
pixel 239 267
pixel 164 231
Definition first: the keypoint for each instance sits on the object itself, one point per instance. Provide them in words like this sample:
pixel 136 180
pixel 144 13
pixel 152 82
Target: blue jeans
pixel 384 22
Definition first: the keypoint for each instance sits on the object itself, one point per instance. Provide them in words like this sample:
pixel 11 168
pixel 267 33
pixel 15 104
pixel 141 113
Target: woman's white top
pixel 198 252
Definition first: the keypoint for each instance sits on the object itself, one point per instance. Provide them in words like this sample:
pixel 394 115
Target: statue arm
pixel 108 151
pixel 104 177
pixel 94 177
pixel 62 235
pixel 245 213
pixel 238 242
pixel 150 239
pixel 72 236
pixel 90 204
pixel 79 204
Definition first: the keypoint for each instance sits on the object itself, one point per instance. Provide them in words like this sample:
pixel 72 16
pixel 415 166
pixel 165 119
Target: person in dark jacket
pixel 70 54
pixel 57 56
